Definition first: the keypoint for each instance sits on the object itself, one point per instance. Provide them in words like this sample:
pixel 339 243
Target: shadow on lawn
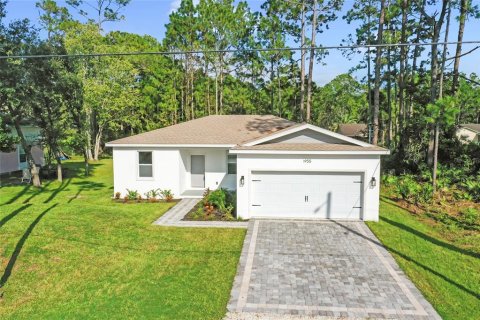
pixel 18 195
pixel 86 185
pixel 13 214
pixel 404 256
pixel 38 191
pixel 18 248
pixel 60 188
pixel 430 239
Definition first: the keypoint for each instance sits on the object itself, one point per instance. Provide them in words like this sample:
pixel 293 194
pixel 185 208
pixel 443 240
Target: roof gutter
pixel 146 145
pixel 376 152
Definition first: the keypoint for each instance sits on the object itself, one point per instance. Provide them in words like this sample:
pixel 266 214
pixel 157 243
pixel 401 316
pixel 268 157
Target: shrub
pixel 470 215
pixel 132 194
pixel 152 194
pixel 217 198
pixel 407 187
pixel 389 179
pixel 472 186
pixel 166 195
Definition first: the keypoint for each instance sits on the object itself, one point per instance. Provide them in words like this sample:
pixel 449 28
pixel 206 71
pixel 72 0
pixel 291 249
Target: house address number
pixel 307 160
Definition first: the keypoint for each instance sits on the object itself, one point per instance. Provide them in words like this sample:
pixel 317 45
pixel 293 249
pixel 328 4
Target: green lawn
pixel 447 273
pixel 68 251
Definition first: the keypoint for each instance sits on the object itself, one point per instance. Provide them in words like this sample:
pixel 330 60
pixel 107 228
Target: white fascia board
pixel 117 145
pixel 233 151
pixel 303 127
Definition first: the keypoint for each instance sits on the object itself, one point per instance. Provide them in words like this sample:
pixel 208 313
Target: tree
pixel 8 142
pixel 342 100
pixel 99 12
pixel 442 113
pixel 378 66
pixel 16 85
pixel 323 12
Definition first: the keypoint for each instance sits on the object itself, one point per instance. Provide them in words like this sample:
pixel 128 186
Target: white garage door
pixel 306 195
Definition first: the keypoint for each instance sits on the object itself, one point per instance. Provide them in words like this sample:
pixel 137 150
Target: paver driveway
pixel 335 269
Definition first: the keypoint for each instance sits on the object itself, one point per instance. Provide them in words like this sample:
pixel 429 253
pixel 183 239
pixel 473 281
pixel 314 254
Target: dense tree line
pixel 409 97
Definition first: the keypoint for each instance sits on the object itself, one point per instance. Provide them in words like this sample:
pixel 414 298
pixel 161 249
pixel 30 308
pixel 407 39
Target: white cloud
pixel 175 4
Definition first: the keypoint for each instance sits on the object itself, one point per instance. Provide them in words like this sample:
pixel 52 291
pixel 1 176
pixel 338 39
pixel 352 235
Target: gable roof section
pixel 293 129
pixel 475 127
pixel 215 130
pixel 310 147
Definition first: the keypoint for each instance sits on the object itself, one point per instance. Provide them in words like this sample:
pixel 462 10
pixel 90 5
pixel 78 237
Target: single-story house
pixel 16 160
pixel 469 132
pixel 354 130
pixel 279 168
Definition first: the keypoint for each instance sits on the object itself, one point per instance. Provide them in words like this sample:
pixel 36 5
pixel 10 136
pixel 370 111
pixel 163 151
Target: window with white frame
pixel 21 155
pixel 232 164
pixel 145 164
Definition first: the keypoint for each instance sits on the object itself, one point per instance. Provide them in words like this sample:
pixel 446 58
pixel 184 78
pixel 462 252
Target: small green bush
pixel 470 216
pixel 472 186
pixel 407 187
pixel 152 194
pixel 132 194
pixel 166 195
pixel 217 198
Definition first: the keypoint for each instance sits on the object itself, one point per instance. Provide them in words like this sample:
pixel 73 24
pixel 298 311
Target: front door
pixel 198 171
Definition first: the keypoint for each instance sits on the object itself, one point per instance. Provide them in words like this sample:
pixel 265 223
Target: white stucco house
pixel 279 168
pixel 16 160
pixel 469 132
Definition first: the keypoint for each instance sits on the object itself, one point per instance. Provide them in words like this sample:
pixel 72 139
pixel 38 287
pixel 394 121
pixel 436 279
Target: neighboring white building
pixel 469 132
pixel 279 168
pixel 16 160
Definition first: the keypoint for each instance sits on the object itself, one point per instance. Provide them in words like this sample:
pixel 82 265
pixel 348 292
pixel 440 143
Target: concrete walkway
pixel 322 270
pixel 174 216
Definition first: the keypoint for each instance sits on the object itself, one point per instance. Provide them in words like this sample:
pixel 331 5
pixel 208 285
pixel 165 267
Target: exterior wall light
pixel 242 181
pixel 373 182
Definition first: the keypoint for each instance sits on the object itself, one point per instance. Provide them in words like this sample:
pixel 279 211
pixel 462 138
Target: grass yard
pixel 68 251
pixel 447 272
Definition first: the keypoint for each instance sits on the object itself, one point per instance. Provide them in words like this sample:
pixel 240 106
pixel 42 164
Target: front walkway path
pixel 321 269
pixel 174 216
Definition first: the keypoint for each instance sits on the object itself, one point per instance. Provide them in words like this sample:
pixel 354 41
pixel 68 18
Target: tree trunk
pixel 437 27
pixel 302 65
pixel 401 77
pixel 389 99
pixel 435 156
pixel 312 59
pixel 28 152
pixel 216 91
pixel 59 169
pixel 440 95
pixel 464 4
pixel 272 93
pixel 85 161
pixel 98 140
pixel 378 62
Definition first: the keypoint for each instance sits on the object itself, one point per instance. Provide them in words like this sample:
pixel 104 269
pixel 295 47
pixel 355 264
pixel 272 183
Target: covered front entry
pixel 322 195
pixel 198 171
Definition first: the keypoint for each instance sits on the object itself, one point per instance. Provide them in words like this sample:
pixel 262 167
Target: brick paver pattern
pixel 336 269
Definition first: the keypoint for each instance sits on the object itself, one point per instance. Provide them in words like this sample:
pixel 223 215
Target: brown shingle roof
pixel 217 129
pixel 472 126
pixel 309 147
pixel 353 129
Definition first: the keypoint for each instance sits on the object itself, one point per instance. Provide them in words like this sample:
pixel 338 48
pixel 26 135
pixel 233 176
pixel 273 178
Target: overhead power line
pixel 170 53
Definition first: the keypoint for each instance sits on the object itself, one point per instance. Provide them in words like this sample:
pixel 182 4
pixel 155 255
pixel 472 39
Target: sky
pixel 150 16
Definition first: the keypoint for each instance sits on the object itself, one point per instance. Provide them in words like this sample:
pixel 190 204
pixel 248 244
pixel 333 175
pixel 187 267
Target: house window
pixel 145 164
pixel 22 155
pixel 232 163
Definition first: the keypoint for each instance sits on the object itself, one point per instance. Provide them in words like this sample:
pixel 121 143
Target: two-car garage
pixel 306 194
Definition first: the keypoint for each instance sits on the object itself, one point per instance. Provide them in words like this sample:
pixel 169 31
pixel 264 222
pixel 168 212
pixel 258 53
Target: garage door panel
pixel 306 195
